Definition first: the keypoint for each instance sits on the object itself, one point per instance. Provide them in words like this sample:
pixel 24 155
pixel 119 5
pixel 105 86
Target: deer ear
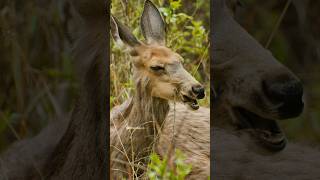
pixel 152 24
pixel 121 33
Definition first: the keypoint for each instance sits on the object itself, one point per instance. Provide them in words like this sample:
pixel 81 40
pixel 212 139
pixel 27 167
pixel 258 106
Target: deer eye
pixel 157 68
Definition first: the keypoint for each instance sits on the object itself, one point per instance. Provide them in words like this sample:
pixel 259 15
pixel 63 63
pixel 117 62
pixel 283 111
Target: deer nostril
pixel 288 93
pixel 198 91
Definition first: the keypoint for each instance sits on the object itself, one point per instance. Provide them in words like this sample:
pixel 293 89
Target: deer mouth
pixel 192 102
pixel 265 131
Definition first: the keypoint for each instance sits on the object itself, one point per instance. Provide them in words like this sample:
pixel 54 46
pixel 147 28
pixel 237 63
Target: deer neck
pixel 140 127
pixel 85 140
pixel 148 113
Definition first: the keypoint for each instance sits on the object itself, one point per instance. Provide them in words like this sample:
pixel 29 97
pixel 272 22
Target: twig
pixel 275 28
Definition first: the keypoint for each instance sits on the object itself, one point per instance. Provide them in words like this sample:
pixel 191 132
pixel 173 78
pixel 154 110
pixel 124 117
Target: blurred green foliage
pixel 36 74
pixel 160 169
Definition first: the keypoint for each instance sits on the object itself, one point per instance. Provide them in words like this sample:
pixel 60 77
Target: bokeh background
pixel 37 79
pixel 296 44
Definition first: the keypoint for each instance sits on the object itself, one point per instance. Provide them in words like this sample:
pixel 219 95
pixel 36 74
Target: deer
pixel 159 78
pixel 254 92
pixel 75 147
pixel 243 73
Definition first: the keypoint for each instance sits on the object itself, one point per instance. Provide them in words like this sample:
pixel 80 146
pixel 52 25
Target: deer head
pixel 155 65
pixel 252 86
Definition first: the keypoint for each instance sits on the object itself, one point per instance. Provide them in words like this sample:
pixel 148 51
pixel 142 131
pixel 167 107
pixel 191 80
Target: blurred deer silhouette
pixel 254 91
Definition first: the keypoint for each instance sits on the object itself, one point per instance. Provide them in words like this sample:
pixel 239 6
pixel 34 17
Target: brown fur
pixel 25 159
pixel 241 66
pixel 192 137
pixel 82 151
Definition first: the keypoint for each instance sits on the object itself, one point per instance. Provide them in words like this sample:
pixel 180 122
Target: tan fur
pixel 244 71
pixel 164 86
pixel 146 113
pixel 192 135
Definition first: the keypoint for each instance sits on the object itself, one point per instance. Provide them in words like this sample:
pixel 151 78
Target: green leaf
pixel 174 5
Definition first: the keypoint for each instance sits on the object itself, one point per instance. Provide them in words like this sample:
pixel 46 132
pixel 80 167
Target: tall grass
pixel 36 74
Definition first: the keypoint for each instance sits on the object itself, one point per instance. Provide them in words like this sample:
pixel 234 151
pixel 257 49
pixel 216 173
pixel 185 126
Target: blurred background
pixel 297 45
pixel 37 79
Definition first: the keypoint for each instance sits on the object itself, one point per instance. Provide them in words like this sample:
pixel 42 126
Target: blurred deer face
pixel 256 90
pixel 155 63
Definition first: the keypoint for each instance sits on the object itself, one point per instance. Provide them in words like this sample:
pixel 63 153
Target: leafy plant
pixel 159 169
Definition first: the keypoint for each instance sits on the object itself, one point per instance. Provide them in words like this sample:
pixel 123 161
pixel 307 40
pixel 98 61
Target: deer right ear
pixel 152 24
pixel 121 33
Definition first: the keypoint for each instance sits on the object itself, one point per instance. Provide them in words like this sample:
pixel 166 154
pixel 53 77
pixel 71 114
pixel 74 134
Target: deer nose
pixel 289 93
pixel 198 90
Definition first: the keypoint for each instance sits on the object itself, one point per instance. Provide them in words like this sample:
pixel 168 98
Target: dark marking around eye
pixel 157 68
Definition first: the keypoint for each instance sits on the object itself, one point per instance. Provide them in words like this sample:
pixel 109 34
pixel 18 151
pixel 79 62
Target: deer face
pixel 251 84
pixel 157 64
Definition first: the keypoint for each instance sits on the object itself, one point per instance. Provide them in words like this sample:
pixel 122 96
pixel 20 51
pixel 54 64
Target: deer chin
pixel 266 131
pixel 190 101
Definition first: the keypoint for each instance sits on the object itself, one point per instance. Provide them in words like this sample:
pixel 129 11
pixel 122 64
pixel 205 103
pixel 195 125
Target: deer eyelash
pixel 157 68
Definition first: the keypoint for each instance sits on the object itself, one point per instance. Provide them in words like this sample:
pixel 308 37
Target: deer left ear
pixel 121 33
pixel 152 24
